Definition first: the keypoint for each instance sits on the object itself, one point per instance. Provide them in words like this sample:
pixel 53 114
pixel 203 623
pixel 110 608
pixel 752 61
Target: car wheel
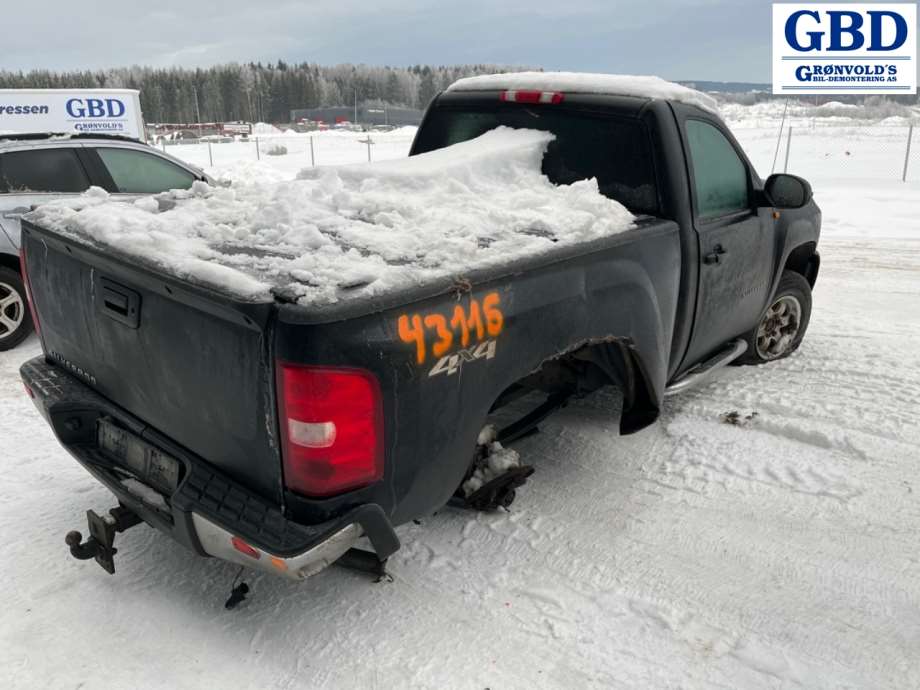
pixel 15 319
pixel 781 328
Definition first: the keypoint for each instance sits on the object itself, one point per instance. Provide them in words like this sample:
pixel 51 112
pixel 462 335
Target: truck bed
pixel 198 366
pixel 353 232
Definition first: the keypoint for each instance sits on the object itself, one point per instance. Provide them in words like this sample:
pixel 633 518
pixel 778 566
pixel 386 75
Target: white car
pixel 36 168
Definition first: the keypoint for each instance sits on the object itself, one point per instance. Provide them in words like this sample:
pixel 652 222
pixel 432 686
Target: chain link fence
pixel 814 149
pixel 299 151
pixel 809 147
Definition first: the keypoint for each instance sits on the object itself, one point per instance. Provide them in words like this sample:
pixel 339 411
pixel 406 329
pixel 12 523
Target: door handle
pixel 118 302
pixel 715 256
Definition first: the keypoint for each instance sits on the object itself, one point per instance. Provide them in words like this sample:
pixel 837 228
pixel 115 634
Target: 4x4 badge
pixel 450 364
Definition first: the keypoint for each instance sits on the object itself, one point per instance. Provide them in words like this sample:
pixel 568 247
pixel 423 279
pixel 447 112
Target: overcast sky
pixel 695 39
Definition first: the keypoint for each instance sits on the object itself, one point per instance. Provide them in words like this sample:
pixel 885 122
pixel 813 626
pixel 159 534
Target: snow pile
pixel 243 171
pixel 356 230
pixel 144 492
pixel 578 82
pixel 404 131
pixel 265 128
pixel 497 462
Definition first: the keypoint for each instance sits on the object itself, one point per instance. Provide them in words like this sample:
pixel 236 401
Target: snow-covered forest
pixel 257 92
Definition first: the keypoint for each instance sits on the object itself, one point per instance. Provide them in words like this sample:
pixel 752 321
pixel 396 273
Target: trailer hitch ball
pixel 102 529
pixel 79 550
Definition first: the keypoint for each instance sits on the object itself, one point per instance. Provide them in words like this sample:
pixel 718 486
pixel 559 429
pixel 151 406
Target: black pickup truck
pixel 276 436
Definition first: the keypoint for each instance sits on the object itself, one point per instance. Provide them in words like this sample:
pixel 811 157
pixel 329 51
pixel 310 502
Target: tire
pixel 15 317
pixel 782 326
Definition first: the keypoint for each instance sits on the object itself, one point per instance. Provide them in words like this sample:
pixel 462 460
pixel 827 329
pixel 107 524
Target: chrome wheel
pixel 779 327
pixel 12 310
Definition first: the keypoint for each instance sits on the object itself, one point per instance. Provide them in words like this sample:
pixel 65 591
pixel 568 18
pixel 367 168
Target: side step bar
pixel 703 371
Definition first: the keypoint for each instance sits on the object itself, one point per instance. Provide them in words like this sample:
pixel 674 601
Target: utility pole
pixel 259 99
pixel 197 111
pixel 356 105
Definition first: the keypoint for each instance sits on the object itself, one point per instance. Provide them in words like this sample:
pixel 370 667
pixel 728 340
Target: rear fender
pixel 615 306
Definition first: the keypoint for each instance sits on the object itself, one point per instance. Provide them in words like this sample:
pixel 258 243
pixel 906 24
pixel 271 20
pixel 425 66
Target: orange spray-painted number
pixel 494 318
pixel 459 322
pixel 476 321
pixel 445 337
pixel 466 324
pixel 413 334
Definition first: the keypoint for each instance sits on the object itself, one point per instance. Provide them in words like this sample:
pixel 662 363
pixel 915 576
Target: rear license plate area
pixel 145 461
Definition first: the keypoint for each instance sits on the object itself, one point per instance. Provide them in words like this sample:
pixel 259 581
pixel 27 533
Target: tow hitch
pixel 102 530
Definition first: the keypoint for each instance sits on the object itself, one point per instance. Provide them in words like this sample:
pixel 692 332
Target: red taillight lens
pixel 552 97
pixel 332 426
pixel 245 548
pixel 28 287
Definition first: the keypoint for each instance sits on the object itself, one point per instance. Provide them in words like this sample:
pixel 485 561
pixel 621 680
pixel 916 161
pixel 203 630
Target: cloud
pixel 702 39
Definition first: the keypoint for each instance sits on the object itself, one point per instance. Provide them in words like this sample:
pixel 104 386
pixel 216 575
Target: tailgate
pixel 193 364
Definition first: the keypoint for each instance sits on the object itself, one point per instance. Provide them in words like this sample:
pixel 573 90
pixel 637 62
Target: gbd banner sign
pixel 845 48
pixel 66 111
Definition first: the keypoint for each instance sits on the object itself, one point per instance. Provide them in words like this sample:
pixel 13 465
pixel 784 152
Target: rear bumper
pixel 208 509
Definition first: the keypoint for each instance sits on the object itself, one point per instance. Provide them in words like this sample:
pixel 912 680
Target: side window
pixel 136 172
pixel 720 176
pixel 42 170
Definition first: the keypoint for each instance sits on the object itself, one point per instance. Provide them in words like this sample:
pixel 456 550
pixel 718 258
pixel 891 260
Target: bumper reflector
pixel 245 548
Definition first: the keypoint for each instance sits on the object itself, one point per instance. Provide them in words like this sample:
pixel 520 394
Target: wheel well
pixel 805 261
pixel 588 367
pixel 9 261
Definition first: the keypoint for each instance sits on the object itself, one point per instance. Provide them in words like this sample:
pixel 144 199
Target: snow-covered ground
pixel 778 552
pixel 331 147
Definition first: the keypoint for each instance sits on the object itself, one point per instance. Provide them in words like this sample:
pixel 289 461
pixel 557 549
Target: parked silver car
pixel 36 168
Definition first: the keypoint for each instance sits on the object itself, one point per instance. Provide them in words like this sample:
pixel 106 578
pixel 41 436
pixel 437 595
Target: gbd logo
pixel 838 48
pixel 845 30
pixel 79 108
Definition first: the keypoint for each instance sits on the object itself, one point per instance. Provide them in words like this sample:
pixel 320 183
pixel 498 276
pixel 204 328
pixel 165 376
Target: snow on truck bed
pixel 580 82
pixel 353 231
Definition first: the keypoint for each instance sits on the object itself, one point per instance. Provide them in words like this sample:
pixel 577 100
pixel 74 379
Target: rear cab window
pixel 138 172
pixel 55 170
pixel 616 151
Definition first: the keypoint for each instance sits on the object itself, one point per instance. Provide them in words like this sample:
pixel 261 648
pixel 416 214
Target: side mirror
pixel 786 191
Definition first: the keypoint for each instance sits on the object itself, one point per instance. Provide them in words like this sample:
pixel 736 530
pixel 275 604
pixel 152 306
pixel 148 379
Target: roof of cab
pixel 585 83
pixel 18 139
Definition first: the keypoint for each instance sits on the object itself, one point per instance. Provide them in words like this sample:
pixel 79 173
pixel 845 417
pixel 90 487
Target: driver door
pixel 736 238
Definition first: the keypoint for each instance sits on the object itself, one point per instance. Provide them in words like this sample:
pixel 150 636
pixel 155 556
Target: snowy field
pixel 328 148
pixel 778 553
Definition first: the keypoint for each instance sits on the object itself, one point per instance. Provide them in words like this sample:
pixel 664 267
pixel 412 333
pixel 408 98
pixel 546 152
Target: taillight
pixel 28 288
pixel 332 426
pixel 552 97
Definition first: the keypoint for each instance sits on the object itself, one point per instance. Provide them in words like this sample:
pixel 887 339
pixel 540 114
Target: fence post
pixel 788 143
pixel 312 156
pixel 910 135
pixel 210 155
pixel 258 154
pixel 779 137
